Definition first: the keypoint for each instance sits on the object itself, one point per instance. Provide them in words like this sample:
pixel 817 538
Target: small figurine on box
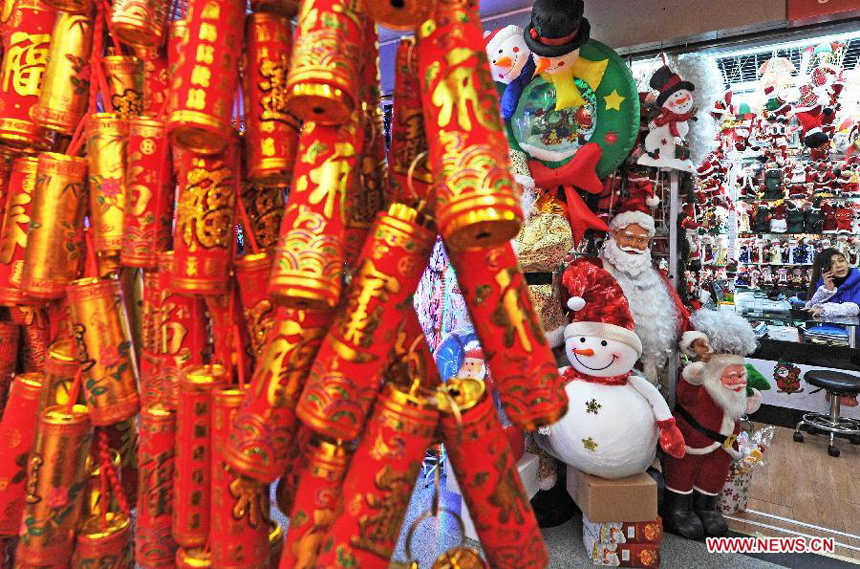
pixel 711 398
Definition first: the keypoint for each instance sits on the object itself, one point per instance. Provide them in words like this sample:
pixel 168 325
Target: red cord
pixel 74 391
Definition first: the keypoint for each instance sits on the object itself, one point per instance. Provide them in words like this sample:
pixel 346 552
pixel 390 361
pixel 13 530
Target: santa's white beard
pixel 653 308
pixel 632 262
pixel 734 403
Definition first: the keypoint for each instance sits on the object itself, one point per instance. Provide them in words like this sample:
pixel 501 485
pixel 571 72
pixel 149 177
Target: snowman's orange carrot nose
pixel 503 61
pixel 583 351
pixel 541 65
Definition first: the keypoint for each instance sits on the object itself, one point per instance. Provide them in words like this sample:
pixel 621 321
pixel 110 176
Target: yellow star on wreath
pixel 614 100
pixel 589 444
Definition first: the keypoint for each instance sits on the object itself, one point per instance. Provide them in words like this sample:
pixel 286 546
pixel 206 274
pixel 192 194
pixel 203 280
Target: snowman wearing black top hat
pixel 665 146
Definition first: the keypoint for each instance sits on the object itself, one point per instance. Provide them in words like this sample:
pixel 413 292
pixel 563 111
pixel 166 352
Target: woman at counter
pixel 836 289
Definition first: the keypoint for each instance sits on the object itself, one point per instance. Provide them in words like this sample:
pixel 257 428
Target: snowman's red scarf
pixel 571 374
pixel 667 116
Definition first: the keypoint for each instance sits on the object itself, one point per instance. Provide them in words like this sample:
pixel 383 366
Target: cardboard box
pixel 623 554
pixel 633 499
pixel 623 532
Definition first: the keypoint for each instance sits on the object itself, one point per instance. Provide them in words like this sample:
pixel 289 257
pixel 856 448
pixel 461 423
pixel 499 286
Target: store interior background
pixel 801 490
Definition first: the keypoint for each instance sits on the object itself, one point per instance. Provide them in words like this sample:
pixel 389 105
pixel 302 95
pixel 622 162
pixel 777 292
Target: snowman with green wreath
pixel 576 118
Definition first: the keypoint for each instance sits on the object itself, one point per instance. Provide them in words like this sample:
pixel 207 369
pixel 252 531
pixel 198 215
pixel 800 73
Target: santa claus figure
pixel 711 397
pixel 614 416
pixel 658 312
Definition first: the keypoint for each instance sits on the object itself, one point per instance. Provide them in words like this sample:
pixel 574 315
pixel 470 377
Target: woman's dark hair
pixel 821 265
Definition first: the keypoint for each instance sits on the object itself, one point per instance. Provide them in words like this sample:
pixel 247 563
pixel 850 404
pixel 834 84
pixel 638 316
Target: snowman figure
pixel 665 146
pixel 614 417
pixel 511 65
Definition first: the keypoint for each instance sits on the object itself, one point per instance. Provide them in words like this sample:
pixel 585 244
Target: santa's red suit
pixel 705 465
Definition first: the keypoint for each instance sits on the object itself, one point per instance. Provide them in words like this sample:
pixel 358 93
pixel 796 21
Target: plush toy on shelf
pixel 615 417
pixel 711 398
pixel 665 145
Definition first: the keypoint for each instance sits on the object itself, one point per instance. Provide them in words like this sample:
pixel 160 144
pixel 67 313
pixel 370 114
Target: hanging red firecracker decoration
pixel 27 27
pixel 272 134
pixel 477 201
pixel 156 80
pixel 204 234
pixel 408 139
pixel 252 276
pixel 366 187
pixel 520 359
pixel 140 24
pixel 34 328
pixel 239 535
pixel 177 31
pixel 381 478
pixel 193 558
pixel 54 239
pixel 205 84
pixel 288 484
pixel 124 74
pixel 324 71
pixel 17 433
pixel 13 239
pixel 107 144
pixel 104 350
pixel 263 437
pixel 487 474
pixel 346 375
pixel 55 475
pixel 61 367
pixel 148 216
pixel 264 206
pixel 65 89
pixel 71 6
pixel 308 265
pixel 412 356
pixel 9 334
pixel 315 506
pixel 193 471
pixel 154 543
pixel 181 332
pixel 230 341
pixel 105 543
pixel 152 386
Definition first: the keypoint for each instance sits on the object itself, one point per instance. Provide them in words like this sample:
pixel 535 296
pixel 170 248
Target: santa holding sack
pixel 615 417
pixel 711 397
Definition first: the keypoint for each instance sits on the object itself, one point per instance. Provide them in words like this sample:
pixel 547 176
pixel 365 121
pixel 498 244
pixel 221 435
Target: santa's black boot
pixel 708 510
pixel 679 517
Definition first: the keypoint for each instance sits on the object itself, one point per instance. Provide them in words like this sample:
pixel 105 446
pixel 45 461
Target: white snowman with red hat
pixel 615 417
pixel 665 146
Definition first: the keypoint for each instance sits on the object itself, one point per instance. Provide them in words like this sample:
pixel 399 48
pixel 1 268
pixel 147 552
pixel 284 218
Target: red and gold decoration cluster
pixel 207 270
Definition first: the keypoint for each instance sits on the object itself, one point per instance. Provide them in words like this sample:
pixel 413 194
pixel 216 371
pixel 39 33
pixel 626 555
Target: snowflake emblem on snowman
pixel 665 144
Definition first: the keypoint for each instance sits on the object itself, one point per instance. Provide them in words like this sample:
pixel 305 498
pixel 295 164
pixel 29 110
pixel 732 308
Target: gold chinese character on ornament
pixel 274 74
pixel 25 62
pixel 205 211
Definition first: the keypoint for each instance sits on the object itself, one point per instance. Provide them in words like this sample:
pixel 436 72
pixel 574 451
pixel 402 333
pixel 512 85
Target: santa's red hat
pixel 637 207
pixel 599 306
pixel 474 353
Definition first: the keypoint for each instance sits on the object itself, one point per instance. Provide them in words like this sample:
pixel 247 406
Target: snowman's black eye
pixel 582 339
pixel 500 51
pixel 603 343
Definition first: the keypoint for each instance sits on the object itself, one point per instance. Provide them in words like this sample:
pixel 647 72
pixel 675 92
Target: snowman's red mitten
pixel 671 439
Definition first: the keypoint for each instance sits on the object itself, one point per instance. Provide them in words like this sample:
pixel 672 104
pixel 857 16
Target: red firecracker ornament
pixel 263 437
pixel 346 375
pixel 17 431
pixel 380 480
pixel 193 472
pixel 487 474
pixel 324 72
pixel 9 334
pixel 315 506
pixel 477 201
pixel 154 543
pixel 148 216
pixel 27 27
pixel 272 134
pixel 13 239
pixel 252 276
pixel 204 234
pixel 204 85
pixel 520 359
